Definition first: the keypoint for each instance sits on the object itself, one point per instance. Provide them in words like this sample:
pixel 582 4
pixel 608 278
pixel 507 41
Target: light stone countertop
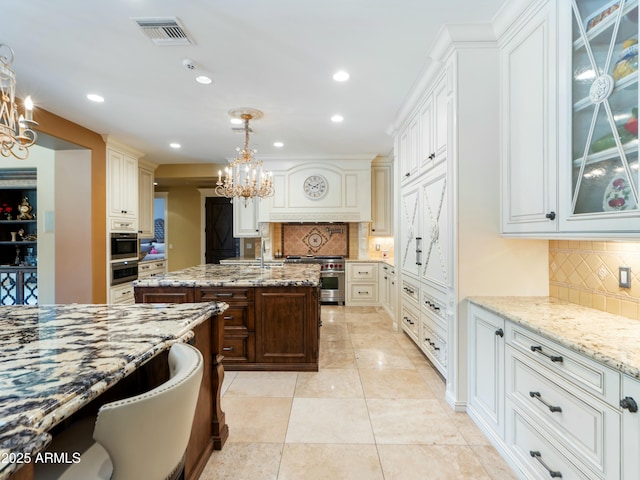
pixel 55 359
pixel 610 339
pixel 214 275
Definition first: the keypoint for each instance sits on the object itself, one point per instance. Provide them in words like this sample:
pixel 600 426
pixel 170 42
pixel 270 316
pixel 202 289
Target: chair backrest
pixel 146 436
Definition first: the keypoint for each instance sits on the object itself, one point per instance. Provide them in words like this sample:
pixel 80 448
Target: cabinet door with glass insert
pixel 599 180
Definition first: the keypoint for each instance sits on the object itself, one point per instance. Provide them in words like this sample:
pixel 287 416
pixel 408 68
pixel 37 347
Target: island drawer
pixel 236 317
pixel 228 295
pixel 238 348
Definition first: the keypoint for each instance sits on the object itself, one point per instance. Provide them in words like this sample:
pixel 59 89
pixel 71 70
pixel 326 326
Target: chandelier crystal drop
pixel 16 130
pixel 245 177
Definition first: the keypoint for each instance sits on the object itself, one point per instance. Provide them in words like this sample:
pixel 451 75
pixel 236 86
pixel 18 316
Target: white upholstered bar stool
pixel 138 438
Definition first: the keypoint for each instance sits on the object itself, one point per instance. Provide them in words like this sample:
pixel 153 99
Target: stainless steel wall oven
pixel 124 246
pixel 124 272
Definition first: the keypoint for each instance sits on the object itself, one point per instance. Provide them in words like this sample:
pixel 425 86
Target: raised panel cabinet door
pixel 381 201
pixel 410 231
pixel 130 186
pixel 145 203
pixel 286 325
pixel 436 229
pixel 441 101
pixel 630 427
pixel 410 139
pixel 245 218
pixel 486 368
pixel 529 157
pixel 115 173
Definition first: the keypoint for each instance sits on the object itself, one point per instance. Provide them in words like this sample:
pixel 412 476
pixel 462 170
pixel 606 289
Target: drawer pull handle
pixel 538 456
pixel 500 332
pixel 224 294
pixel 230 317
pixel 553 358
pixel 227 349
pixel 552 408
pixel 630 403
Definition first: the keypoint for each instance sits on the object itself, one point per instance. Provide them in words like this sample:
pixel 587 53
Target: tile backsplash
pixel 586 273
pixel 314 239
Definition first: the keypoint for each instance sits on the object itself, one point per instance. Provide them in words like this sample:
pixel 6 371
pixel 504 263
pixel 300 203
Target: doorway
pixel 219 240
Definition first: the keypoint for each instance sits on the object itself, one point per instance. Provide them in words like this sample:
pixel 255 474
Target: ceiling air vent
pixel 164 31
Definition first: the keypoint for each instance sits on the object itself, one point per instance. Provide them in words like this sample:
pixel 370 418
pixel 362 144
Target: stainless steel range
pixel 332 286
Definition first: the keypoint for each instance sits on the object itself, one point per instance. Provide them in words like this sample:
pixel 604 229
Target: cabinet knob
pixel 500 332
pixel 630 404
pixel 551 215
pixel 408 174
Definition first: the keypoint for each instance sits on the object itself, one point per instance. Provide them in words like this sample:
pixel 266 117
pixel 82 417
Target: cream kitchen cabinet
pixel 145 199
pixel 409 154
pixel 630 427
pixel 245 218
pixel 486 371
pixel 599 117
pixel 410 230
pixel 449 224
pixel 435 256
pixel 121 294
pixel 381 199
pixel 151 268
pixel 529 122
pixel 122 188
pixel 387 288
pixel 434 124
pixel 362 283
pixel 550 410
pixel 570 143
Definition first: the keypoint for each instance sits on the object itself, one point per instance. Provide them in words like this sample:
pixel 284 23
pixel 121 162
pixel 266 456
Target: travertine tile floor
pixel 375 410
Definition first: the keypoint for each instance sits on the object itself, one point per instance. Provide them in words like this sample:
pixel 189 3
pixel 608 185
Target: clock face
pixel 315 187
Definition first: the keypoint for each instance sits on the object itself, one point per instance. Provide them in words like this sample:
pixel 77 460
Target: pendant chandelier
pixel 244 177
pixel 16 131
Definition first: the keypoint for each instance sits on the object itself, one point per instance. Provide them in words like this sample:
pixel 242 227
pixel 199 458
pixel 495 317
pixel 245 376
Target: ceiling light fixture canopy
pixel 245 177
pixel 16 130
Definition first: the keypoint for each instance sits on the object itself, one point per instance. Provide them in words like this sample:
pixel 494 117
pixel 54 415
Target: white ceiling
pixel 274 55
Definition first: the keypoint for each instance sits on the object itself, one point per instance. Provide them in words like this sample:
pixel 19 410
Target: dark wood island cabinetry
pixel 273 318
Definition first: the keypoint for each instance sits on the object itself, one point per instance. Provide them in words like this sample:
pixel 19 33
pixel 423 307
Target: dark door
pixel 219 230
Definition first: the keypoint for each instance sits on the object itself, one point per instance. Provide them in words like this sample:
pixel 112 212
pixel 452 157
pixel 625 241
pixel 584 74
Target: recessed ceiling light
pixel 203 79
pixel 278 144
pixel 174 145
pixel 236 121
pixel 341 76
pixel 337 118
pixel 95 98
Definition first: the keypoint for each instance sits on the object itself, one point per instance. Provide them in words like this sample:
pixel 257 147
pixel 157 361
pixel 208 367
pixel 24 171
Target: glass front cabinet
pixel 599 181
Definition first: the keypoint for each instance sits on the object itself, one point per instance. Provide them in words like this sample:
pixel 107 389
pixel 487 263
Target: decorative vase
pixel 13 236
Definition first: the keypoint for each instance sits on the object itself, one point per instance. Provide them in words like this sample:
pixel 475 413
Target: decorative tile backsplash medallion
pixel 314 239
pixel 586 273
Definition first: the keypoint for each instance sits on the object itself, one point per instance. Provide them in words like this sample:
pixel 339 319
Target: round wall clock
pixel 315 187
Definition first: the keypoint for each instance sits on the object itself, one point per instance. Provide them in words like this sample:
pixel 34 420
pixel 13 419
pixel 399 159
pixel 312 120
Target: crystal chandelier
pixel 16 134
pixel 245 177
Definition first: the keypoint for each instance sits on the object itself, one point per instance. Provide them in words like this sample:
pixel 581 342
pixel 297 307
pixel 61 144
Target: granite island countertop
pixel 607 338
pixel 215 275
pixel 57 358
